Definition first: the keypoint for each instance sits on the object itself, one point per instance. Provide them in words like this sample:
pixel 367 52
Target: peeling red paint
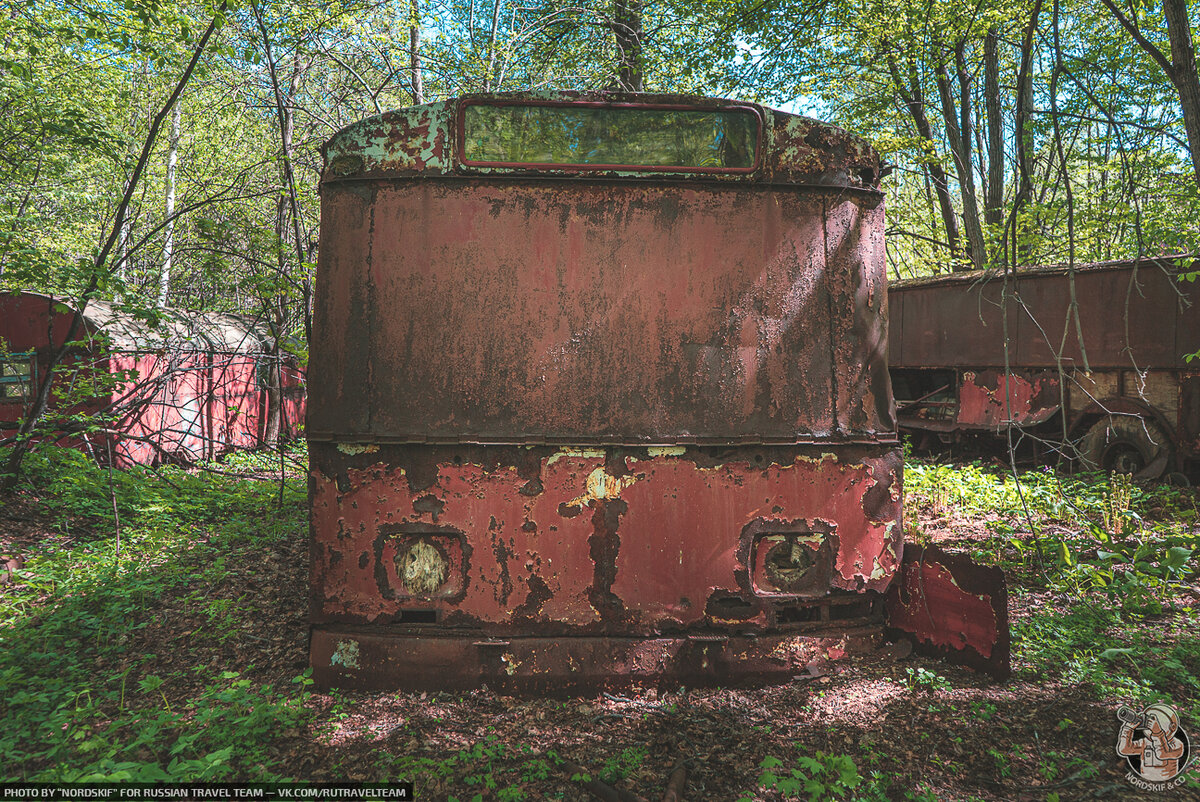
pixel 990 399
pixel 953 608
pixel 189 389
pixel 638 561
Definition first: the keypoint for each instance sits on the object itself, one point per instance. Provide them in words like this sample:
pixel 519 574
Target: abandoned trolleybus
pixel 598 392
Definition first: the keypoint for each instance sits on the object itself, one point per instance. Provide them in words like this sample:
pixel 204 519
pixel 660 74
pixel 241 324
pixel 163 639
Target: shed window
pixel 593 137
pixel 16 377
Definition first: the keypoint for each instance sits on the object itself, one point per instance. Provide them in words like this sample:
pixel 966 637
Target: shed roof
pixel 178 328
pixel 1173 263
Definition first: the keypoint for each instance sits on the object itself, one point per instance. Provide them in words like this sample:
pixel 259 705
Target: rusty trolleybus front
pixel 598 393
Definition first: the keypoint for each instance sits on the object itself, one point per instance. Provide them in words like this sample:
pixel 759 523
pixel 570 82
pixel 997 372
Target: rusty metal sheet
pixel 991 399
pixel 955 320
pixel 858 311
pixel 613 541
pixel 949 324
pixel 807 151
pixel 1106 297
pixel 952 608
pixel 347 657
pixel 590 424
pixel 503 312
pixel 340 346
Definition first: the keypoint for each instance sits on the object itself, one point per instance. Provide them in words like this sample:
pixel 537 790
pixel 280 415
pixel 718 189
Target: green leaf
pixel 1114 653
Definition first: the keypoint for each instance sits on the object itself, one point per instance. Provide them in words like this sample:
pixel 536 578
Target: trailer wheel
pixel 1126 444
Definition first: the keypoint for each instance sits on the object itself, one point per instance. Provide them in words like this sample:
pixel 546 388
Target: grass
pixel 1106 563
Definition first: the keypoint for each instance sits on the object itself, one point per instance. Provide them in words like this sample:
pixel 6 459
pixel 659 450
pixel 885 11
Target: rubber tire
pixel 1126 444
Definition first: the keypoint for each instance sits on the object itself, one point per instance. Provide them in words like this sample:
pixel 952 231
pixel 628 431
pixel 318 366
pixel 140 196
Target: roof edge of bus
pixel 424 140
pixel 1170 262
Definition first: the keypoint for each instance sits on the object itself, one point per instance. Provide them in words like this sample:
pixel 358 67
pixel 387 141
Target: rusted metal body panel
pixel 582 426
pixel 606 313
pixel 955 320
pixel 601 534
pixel 952 608
pixel 1136 327
pixel 420 142
pixel 372 660
pixel 988 399
pixel 190 390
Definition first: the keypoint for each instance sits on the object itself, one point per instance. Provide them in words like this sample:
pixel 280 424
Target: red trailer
pixel 192 386
pixel 600 395
pixel 977 352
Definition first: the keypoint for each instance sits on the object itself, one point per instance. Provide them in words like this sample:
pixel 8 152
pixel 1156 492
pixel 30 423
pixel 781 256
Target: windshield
pixel 602 136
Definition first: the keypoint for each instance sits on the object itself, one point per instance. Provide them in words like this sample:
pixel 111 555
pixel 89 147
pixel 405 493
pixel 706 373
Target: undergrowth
pixel 1118 561
pixel 83 594
pixel 1103 562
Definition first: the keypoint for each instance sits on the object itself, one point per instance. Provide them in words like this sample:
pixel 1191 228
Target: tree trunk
pixel 914 101
pixel 1183 76
pixel 627 29
pixel 491 65
pixel 1024 140
pixel 956 112
pixel 414 53
pixel 993 203
pixel 1180 68
pixel 164 278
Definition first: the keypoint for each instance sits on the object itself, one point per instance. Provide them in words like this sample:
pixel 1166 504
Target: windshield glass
pixel 589 136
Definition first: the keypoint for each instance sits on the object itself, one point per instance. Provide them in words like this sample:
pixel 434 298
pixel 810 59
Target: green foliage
pixel 623 764
pixel 825 776
pixel 922 679
pixel 820 777
pixel 1114 657
pixel 80 601
pixel 490 768
pixel 1138 573
pixel 1109 551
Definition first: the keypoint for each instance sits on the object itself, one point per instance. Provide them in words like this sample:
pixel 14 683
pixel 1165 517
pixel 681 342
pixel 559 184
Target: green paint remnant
pixel 666 451
pixel 346 654
pixel 357 448
pixel 587 453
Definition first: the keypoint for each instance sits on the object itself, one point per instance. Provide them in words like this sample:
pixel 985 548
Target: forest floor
pixel 173 647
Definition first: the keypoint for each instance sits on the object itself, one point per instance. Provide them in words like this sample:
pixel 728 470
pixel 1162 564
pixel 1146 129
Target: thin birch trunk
pixel 168 254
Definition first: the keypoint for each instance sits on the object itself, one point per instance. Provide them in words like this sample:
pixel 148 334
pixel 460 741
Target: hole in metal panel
pixel 840 612
pixel 796 614
pixel 730 607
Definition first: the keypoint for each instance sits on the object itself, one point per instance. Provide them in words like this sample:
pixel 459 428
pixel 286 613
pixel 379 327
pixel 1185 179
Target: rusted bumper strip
pixel 350 658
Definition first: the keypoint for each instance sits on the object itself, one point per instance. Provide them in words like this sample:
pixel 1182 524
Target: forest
pixel 160 155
